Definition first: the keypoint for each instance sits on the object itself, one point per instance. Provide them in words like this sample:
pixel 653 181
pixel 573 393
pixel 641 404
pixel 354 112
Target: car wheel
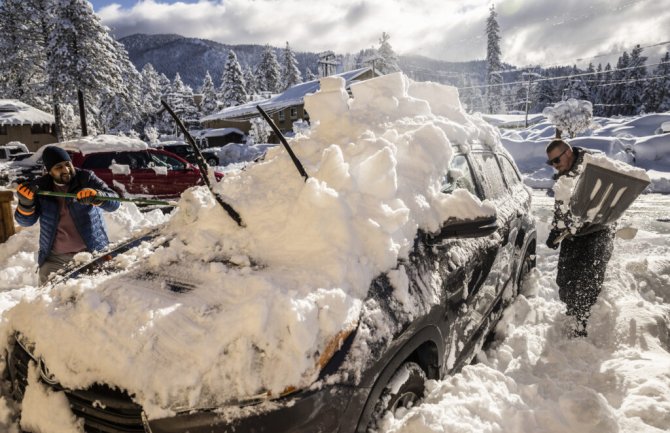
pixel 527 264
pixel 405 388
pixel 212 162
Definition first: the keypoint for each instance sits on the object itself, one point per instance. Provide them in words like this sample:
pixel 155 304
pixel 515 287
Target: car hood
pixel 220 313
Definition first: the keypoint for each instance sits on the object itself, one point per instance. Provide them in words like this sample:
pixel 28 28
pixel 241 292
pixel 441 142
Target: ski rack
pixel 281 137
pixel 202 165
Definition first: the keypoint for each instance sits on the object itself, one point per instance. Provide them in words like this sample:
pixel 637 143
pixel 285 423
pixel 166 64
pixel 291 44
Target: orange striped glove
pixel 26 195
pixel 88 196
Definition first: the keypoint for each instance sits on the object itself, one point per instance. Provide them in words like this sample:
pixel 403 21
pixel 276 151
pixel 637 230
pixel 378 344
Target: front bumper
pixel 305 412
pixel 104 410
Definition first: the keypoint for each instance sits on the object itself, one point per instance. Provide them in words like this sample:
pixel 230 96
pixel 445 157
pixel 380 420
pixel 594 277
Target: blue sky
pixel 534 32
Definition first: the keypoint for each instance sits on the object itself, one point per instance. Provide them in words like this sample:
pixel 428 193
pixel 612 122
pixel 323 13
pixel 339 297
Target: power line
pixel 584 74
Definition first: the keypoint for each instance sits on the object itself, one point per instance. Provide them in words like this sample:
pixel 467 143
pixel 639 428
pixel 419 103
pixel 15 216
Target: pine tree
pixel 388 58
pixel 251 85
pixel 180 98
pixel 268 71
pixel 209 102
pixel 657 92
pixel 309 75
pixel 576 88
pixel 23 59
pixel 494 99
pixel 617 86
pixel 83 54
pixel 123 110
pixel 635 82
pixel 545 96
pixel 232 91
pixel 290 72
pixel 151 89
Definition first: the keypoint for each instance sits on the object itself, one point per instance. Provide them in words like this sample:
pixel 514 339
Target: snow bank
pixel 268 298
pixel 637 141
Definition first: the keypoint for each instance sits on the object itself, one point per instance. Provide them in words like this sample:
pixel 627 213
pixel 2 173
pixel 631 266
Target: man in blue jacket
pixel 67 226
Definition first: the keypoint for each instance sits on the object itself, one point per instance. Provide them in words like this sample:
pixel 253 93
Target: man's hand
pixel 88 196
pixel 26 195
pixel 551 239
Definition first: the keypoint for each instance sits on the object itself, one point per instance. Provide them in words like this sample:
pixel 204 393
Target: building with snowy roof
pixel 26 124
pixel 284 108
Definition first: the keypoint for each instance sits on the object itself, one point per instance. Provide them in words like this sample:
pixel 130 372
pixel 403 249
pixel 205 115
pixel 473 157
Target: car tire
pixel 212 162
pixel 526 265
pixel 403 390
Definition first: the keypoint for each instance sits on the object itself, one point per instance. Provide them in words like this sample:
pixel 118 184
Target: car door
pixel 179 175
pixel 462 266
pixel 501 246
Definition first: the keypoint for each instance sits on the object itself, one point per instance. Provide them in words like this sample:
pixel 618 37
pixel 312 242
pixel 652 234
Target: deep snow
pixel 536 379
pixel 532 379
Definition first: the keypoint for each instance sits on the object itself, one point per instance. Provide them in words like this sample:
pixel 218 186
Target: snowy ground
pixel 637 140
pixel 534 379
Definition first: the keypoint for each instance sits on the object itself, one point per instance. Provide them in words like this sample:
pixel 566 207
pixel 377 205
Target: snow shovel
pixel 602 195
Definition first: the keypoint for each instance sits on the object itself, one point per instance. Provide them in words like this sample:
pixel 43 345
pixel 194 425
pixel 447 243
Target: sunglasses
pixel 557 159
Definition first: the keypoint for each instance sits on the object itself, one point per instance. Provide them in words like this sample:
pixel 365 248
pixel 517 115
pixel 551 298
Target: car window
pixel 489 171
pixel 458 176
pixel 99 161
pixel 511 175
pixel 163 160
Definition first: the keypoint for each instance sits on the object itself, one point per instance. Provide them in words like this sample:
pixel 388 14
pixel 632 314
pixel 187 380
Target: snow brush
pixel 141 201
pixel 202 165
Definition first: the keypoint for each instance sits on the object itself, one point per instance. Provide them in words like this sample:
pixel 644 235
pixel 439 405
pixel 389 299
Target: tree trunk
pixel 82 113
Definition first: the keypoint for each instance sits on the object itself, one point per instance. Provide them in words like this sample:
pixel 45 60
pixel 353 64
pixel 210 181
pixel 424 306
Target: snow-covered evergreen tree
pixel 545 95
pixel 616 88
pixel 83 54
pixel 657 92
pixel 268 71
pixel 494 99
pixel 633 88
pixel 23 59
pixel 209 102
pixel 232 91
pixel 576 88
pixel 250 82
pixel 123 110
pixel 180 99
pixel 151 90
pixel 309 75
pixel 290 72
pixel 388 61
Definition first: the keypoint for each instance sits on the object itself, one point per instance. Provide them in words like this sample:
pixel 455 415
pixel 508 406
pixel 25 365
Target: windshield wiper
pixel 202 165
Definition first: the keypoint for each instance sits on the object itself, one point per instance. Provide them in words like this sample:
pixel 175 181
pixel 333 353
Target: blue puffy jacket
pixel 88 219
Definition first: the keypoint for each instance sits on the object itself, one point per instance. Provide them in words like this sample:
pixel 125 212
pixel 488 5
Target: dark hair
pixel 555 143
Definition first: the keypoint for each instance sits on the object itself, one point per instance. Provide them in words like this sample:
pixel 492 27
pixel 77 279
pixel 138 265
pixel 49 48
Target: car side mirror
pixel 476 228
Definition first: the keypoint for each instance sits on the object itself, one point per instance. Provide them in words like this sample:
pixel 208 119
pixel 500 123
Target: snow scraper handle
pixel 105 198
pixel 202 165
pixel 281 137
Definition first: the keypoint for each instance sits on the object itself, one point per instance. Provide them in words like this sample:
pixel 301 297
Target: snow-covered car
pixel 333 301
pixel 234 152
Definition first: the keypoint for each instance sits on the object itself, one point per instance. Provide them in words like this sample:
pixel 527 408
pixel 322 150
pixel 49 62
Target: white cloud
pixel 547 32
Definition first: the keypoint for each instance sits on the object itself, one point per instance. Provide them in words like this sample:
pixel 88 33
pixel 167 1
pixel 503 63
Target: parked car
pixel 127 165
pixel 234 152
pixel 461 278
pixel 179 148
pixel 13 150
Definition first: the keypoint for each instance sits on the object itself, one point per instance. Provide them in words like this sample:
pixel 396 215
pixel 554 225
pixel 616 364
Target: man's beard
pixel 64 178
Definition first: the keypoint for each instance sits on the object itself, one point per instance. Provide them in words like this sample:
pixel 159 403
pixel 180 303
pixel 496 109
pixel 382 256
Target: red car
pixel 149 172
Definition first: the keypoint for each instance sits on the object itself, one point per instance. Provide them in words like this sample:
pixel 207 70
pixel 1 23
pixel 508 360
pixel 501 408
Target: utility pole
pixel 530 76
